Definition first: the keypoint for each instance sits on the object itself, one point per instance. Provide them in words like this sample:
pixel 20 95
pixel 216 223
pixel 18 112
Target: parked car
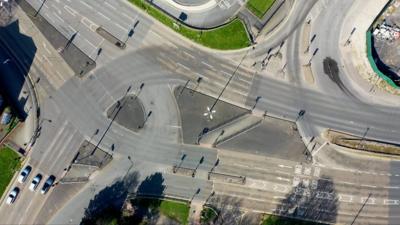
pixel 35 182
pixel 12 196
pixel 6 118
pixel 24 174
pixel 46 186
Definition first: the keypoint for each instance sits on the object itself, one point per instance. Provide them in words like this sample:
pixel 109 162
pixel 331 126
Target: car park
pixel 24 174
pixel 35 182
pixel 46 186
pixel 12 196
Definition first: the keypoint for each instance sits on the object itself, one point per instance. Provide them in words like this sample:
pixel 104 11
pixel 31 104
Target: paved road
pixel 160 59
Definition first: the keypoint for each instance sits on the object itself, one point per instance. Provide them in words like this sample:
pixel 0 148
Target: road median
pixel 362 143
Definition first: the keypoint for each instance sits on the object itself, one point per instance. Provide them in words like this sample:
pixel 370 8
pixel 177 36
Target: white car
pixel 35 182
pixel 24 174
pixel 12 196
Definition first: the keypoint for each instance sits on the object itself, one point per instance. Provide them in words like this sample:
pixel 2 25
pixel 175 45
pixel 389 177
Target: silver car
pixel 12 196
pixel 24 174
pixel 35 182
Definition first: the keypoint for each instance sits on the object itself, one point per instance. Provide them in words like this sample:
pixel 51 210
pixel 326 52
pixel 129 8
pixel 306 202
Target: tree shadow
pixel 109 201
pixel 229 212
pixel 310 202
pixel 16 57
pixel 146 203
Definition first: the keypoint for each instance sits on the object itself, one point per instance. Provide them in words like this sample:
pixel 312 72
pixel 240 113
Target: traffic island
pixel 198 116
pixel 79 61
pixel 128 112
pixel 269 137
pixel 361 143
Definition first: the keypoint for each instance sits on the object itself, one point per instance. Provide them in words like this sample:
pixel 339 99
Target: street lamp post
pixel 145 120
pixel 41 6
pixel 198 164
pixel 227 83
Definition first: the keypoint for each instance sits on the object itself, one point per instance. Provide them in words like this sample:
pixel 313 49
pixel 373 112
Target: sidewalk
pixel 195 212
pixel 356 64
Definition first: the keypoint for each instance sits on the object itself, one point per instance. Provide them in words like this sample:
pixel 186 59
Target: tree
pixel 7 11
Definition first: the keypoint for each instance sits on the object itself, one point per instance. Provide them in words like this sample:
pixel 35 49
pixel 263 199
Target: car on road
pixel 12 196
pixel 24 174
pixel 35 182
pixel 46 186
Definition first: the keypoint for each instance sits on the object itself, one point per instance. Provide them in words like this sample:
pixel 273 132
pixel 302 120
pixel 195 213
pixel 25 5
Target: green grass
pixel 9 164
pixel 277 220
pixel 175 210
pixel 259 7
pixel 230 36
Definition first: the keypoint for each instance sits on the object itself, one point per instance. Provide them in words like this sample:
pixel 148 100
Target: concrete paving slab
pixel 273 137
pixel 194 116
pixel 131 115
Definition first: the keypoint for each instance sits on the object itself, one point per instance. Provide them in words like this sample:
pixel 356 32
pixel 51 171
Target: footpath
pixel 354 55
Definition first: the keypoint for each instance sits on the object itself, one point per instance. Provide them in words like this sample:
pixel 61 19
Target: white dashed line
pixel 104 16
pixel 110 6
pixel 85 4
pixel 70 10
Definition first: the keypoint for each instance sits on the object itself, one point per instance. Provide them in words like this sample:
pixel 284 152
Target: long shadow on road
pixel 16 56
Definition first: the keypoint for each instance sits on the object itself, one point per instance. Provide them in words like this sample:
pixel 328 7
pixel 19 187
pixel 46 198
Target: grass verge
pixel 175 210
pixel 9 164
pixel 277 220
pixel 259 7
pixel 230 36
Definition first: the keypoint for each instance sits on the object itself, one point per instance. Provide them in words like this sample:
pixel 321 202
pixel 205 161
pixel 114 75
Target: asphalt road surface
pixel 162 60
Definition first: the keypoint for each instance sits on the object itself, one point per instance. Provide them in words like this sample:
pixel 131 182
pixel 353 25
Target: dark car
pixel 46 186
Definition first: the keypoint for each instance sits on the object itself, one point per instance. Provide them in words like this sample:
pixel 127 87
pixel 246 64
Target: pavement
pixel 209 14
pixel 159 58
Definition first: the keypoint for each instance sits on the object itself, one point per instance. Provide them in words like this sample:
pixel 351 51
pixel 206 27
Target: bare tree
pixel 7 11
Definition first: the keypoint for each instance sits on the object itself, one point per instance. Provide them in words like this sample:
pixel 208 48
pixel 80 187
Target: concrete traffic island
pixel 362 143
pixel 196 118
pixel 128 112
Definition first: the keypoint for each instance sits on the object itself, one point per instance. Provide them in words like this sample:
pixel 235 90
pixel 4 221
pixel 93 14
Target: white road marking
pixel 281 188
pixel 155 34
pixel 70 10
pixel 85 4
pixel 118 25
pixel 371 201
pixel 130 18
pixel 391 202
pixel 190 56
pixel 317 171
pixel 58 17
pixel 279 197
pixel 204 63
pixel 104 16
pixel 45 47
pixel 307 171
pixel 345 198
pixel 367 185
pixel 284 179
pixel 48 61
pixel 110 6
pixel 284 166
pixel 298 169
pixel 88 23
pixel 183 66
